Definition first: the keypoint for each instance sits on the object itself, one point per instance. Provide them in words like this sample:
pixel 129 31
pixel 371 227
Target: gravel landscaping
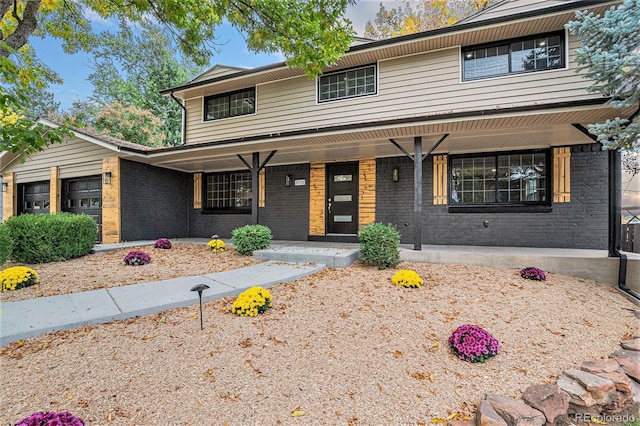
pixel 344 346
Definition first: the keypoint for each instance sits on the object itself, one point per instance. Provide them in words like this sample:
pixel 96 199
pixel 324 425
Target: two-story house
pixel 473 134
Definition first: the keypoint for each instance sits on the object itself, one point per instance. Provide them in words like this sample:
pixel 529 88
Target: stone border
pixel 600 389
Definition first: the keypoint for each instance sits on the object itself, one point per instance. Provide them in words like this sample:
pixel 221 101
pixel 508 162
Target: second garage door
pixel 84 195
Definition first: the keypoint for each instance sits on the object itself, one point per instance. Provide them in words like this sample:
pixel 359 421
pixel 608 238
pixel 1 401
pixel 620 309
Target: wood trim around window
pixel 562 175
pixel 440 179
pixel 197 190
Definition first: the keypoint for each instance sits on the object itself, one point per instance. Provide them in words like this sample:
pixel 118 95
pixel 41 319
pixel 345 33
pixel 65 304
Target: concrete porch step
pixel 332 257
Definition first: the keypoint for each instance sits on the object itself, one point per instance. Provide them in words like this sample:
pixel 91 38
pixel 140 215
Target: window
pixel 230 104
pixel 510 178
pixel 536 53
pixel 228 191
pixel 347 84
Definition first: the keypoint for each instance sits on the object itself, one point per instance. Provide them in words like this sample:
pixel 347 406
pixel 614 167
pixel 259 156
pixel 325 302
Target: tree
pixel 131 124
pixel 23 81
pixel 310 34
pixel 610 56
pixel 132 67
pixel 426 15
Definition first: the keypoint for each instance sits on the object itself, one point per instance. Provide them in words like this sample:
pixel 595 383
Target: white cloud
pixel 93 17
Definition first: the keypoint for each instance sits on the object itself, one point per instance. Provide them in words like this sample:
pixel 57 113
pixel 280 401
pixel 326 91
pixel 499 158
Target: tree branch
pixel 26 26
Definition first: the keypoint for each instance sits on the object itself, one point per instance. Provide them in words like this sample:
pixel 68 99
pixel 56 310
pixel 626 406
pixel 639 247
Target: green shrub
pixel 249 238
pixel 42 238
pixel 379 245
pixel 6 244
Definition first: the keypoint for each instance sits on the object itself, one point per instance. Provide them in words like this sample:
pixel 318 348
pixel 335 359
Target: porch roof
pixel 480 131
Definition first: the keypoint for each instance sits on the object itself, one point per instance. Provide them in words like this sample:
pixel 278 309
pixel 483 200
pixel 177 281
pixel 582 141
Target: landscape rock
pixel 602 390
pixel 632 345
pixel 548 399
pixel 487 416
pixel 629 361
pixel 460 423
pixel 515 412
pixel 578 395
pixel 610 369
pixel 635 387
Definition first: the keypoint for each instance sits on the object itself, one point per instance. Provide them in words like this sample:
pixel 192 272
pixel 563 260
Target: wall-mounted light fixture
pixel 5 187
pixel 395 176
pixel 106 178
pixel 287 180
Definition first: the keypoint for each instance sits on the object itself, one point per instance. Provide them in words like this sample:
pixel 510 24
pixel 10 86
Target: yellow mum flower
pixel 407 278
pixel 252 302
pixel 17 277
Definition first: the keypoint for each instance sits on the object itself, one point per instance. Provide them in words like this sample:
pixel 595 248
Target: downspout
pixel 183 133
pixel 615 225
pixel 615 212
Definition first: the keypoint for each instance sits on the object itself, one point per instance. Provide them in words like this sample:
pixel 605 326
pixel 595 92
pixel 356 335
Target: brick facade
pixel 581 223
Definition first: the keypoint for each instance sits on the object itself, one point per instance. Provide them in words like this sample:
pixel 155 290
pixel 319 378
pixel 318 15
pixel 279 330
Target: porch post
pixel 255 170
pixel 417 193
pixel 615 202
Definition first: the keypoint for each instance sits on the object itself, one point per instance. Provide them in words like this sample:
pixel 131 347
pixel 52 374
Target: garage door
pixel 84 195
pixel 33 197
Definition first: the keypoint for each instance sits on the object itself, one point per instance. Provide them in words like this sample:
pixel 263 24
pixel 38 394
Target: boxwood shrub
pixel 249 238
pixel 379 245
pixel 42 238
pixel 6 244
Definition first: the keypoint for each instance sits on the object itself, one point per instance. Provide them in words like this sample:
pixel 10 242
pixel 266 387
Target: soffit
pixel 508 132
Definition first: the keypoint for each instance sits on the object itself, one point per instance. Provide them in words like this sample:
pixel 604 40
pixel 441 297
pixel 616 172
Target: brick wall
pixel 286 209
pixel 582 223
pixel 154 202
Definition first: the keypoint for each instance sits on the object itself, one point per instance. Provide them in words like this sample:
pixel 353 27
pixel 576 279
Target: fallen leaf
pixel 453 416
pixel 438 420
pixel 147 337
pixel 396 354
pixel 297 412
pixel 598 422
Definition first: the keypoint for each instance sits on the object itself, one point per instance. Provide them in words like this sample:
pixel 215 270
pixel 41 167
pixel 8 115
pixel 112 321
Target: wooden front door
pixel 342 198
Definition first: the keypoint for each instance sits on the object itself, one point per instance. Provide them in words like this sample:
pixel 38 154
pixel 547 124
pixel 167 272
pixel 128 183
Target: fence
pixel 631 237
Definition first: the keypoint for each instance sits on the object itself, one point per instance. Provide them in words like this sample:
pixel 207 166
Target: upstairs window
pixel 228 191
pixel 347 84
pixel 507 178
pixel 536 53
pixel 230 104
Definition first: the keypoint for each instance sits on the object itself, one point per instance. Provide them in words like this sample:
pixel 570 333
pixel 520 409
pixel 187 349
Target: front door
pixel 342 198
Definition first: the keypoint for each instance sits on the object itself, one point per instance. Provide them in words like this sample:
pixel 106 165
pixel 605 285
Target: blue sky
pixel 74 69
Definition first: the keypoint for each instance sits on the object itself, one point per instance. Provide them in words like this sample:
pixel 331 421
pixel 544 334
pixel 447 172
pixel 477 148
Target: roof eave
pixel 459 27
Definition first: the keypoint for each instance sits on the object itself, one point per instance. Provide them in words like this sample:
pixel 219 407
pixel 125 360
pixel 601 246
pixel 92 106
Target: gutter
pixel 183 130
pixel 615 212
pixel 615 225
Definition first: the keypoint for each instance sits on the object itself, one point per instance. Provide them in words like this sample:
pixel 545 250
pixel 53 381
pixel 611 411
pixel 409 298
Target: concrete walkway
pixel 27 318
pixel 284 261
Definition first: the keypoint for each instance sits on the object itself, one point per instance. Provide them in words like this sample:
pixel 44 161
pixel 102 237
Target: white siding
pixel 416 85
pixel 217 71
pixel 75 158
pixel 513 7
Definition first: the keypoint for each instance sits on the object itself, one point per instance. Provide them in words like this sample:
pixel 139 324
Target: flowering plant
pixel 217 246
pixel 17 277
pixel 407 278
pixel 252 302
pixel 533 273
pixel 136 257
pixel 162 243
pixel 472 343
pixel 51 418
